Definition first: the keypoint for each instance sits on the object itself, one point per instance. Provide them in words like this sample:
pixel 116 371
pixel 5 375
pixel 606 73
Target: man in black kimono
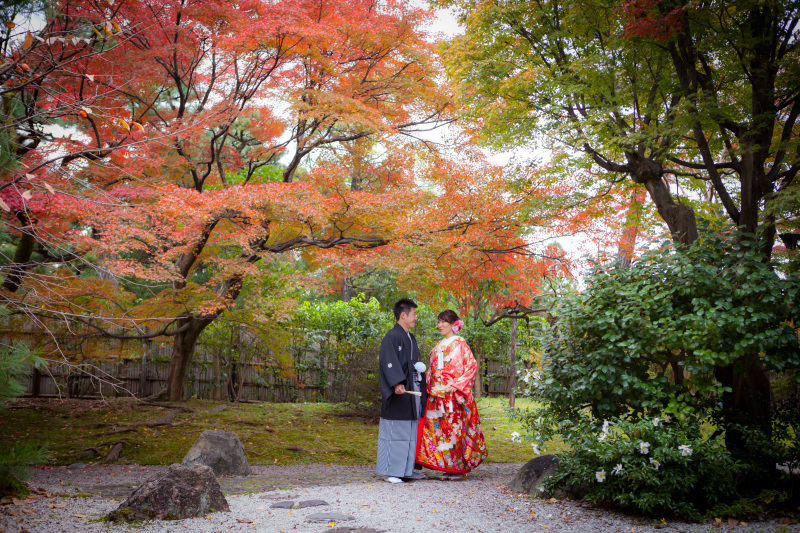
pixel 400 370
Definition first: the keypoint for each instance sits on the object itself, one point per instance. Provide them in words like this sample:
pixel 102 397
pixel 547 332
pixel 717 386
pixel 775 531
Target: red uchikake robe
pixel 450 436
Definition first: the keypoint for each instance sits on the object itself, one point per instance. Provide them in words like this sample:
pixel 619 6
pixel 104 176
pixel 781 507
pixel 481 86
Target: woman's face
pixel 445 328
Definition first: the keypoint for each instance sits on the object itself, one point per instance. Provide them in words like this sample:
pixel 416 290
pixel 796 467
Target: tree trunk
pixel 680 218
pixel 751 197
pixel 348 291
pixel 512 379
pixel 233 380
pixel 182 351
pixel 216 369
pixel 477 386
pixel 748 404
pixel 22 255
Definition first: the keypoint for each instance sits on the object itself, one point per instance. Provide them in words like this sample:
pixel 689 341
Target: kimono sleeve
pixel 463 383
pixel 391 368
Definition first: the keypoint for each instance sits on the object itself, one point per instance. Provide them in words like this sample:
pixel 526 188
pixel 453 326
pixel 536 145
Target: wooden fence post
pixel 36 383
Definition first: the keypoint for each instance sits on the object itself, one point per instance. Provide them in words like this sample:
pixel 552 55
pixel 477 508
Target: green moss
pixel 266 430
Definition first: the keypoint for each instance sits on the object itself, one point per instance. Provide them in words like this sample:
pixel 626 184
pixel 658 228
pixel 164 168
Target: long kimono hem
pixel 450 436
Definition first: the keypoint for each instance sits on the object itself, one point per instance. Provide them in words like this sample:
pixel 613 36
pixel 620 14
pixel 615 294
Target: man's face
pixel 409 319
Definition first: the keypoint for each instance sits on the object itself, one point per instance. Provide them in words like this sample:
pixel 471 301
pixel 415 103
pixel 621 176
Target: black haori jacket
pixel 397 358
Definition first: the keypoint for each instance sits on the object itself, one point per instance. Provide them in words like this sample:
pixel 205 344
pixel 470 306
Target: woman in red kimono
pixel 450 433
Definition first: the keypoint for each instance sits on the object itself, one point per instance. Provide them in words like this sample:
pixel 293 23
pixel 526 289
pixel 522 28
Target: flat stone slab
pixel 311 503
pixel 328 517
pixel 75 466
pixel 278 497
pixel 346 529
pixel 282 505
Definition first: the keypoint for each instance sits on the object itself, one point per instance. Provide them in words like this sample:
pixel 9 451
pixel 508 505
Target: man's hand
pixel 399 389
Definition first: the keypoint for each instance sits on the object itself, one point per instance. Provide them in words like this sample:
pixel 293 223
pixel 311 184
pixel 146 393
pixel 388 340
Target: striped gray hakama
pixel 397 447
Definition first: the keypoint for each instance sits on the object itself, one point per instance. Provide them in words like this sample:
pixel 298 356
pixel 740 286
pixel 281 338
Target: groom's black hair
pixel 403 305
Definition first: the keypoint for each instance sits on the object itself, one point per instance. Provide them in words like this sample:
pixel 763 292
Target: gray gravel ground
pixel 76 500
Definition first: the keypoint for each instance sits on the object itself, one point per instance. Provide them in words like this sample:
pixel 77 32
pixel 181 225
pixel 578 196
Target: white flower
pixel 606 426
pixel 515 437
pixel 685 449
pixel 600 475
pixel 644 447
pixel 539 420
pixel 526 378
pixel 617 469
pixel 602 437
pixel 536 450
pixel 537 375
pixel 656 422
pixel 541 489
pixel 654 463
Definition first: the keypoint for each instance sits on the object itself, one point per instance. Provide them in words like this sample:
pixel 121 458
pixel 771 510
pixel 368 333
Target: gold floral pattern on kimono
pixel 450 436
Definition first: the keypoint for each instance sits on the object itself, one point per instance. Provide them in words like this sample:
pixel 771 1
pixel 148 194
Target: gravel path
pixel 73 500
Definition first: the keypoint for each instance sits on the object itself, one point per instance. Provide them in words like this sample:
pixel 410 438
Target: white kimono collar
pixel 444 343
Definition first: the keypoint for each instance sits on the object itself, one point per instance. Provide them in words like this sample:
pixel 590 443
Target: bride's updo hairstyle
pixel 448 315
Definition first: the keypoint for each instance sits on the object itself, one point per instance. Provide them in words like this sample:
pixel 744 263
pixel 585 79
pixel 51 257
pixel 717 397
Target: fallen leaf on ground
pixel 79 515
pixel 244 521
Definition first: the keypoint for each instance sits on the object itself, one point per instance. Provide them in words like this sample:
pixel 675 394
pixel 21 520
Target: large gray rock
pixel 178 493
pixel 533 473
pixel 220 450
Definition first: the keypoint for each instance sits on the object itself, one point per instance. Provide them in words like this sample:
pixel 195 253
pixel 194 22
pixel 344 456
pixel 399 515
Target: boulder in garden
pixel 179 492
pixel 533 473
pixel 222 451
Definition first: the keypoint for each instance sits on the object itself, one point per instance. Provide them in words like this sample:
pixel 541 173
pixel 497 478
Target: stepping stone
pixel 75 466
pixel 282 505
pixel 328 517
pixel 311 503
pixel 353 530
pixel 277 497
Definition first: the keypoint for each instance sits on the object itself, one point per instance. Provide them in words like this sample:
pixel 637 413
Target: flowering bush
pixel 651 465
pixel 684 335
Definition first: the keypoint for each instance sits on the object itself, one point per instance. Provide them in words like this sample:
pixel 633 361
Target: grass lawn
pixel 272 433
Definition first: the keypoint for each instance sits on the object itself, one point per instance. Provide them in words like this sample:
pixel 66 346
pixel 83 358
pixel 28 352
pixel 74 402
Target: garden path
pixel 74 499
